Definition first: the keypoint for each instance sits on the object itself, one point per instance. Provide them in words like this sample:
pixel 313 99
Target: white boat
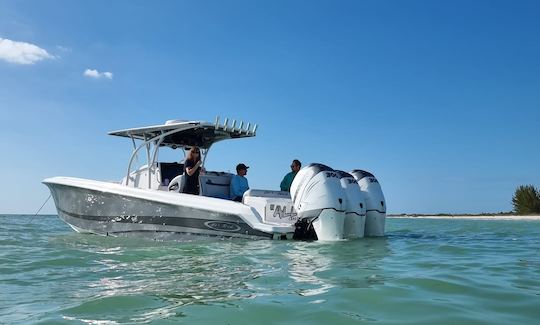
pixel 324 204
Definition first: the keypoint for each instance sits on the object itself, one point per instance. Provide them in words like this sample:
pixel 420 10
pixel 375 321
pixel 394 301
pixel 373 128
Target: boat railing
pixel 147 143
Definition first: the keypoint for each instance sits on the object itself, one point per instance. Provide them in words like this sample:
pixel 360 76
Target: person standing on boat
pixel 239 183
pixel 192 167
pixel 288 179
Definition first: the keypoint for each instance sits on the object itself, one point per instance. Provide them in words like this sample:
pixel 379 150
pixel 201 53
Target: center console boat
pixel 323 204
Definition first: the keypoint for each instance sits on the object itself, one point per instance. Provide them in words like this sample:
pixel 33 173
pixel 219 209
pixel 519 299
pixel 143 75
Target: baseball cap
pixel 241 166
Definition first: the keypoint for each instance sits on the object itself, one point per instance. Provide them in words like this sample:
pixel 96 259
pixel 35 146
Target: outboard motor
pixel 355 210
pixel 320 202
pixel 375 203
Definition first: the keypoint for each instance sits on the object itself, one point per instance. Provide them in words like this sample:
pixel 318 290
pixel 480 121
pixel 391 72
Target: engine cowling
pixel 320 201
pixel 375 202
pixel 355 211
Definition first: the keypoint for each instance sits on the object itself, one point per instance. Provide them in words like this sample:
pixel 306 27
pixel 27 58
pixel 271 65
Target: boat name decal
pixel 222 226
pixel 332 174
pixel 373 180
pixel 281 211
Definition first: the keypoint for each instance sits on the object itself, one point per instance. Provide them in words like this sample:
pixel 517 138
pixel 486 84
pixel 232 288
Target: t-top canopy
pixel 181 133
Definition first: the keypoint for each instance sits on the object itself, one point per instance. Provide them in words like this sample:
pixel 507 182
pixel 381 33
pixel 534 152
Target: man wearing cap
pixel 239 183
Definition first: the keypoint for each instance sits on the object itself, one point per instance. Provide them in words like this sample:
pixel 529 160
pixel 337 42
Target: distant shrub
pixel 526 200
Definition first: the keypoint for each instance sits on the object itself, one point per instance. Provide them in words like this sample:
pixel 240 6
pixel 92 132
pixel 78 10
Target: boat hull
pixel 111 212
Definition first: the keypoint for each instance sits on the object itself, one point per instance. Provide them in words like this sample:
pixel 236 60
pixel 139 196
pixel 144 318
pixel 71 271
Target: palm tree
pixel 526 200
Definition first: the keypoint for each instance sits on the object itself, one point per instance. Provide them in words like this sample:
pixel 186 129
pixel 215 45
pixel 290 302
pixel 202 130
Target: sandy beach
pixel 480 217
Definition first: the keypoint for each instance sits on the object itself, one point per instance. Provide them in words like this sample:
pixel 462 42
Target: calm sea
pixel 426 271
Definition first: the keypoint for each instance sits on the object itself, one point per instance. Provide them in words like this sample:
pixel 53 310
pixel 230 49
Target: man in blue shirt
pixel 239 183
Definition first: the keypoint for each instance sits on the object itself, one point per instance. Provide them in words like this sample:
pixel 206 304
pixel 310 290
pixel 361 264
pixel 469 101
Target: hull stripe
pixel 226 228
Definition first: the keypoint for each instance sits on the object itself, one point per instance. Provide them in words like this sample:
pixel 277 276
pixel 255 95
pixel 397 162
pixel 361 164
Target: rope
pixel 31 219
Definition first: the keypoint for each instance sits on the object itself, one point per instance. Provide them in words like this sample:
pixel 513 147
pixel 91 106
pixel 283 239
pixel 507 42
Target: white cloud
pixel 22 52
pixel 92 73
pixel 63 48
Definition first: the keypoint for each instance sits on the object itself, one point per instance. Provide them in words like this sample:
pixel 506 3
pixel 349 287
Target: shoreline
pixel 471 217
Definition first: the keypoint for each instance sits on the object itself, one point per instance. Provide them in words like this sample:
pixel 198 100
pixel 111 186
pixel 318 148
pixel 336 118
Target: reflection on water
pixel 220 271
pixel 305 263
pixel 347 264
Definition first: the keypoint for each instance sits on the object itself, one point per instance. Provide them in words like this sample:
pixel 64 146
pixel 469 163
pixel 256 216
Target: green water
pixel 426 271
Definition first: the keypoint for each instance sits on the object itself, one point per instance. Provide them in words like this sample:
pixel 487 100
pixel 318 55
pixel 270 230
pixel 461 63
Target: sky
pixel 440 100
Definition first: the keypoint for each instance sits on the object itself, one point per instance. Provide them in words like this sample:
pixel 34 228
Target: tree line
pixel 526 200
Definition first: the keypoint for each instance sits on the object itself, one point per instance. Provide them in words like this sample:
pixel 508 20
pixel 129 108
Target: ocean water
pixel 425 271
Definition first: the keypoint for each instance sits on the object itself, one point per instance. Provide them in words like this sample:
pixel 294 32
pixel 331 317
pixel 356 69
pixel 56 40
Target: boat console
pixel 169 171
pixel 215 184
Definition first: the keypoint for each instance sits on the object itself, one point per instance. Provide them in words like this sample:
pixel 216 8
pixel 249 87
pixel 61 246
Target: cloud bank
pixel 21 52
pixel 92 73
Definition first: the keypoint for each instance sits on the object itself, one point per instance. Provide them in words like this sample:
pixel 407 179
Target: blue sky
pixel 440 100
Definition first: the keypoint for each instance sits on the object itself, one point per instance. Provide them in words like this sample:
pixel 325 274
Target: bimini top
pixel 182 133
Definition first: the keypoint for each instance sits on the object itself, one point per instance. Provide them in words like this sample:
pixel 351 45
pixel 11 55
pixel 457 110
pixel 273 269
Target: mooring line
pixel 31 219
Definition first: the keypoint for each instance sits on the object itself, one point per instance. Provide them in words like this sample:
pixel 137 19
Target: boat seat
pixel 177 184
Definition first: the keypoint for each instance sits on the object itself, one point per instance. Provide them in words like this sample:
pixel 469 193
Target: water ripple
pixel 458 270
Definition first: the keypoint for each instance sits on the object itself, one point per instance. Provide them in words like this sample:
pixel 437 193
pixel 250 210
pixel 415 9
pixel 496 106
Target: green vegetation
pixel 526 200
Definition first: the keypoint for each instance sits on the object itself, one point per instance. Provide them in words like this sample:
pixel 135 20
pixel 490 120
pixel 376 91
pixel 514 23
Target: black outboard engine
pixel 355 209
pixel 375 203
pixel 320 201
